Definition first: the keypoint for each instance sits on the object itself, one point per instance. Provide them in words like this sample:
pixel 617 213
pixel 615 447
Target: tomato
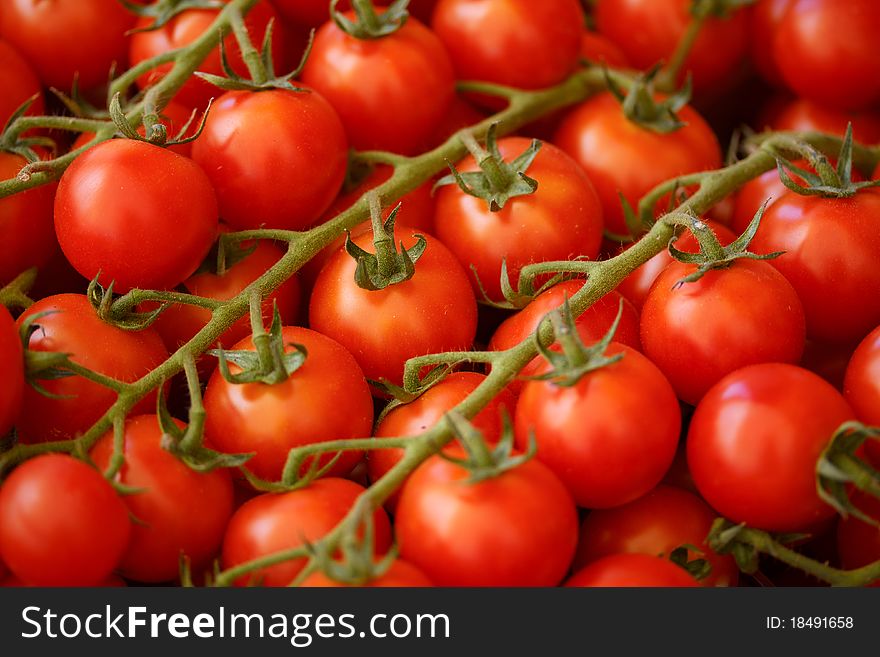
pixel 764 18
pixel 632 570
pixel 74 328
pixel 862 383
pixel 657 523
pixel 139 214
pixel 431 312
pixel 830 249
pixel 365 79
pixel 518 43
pixel 715 57
pixel 19 82
pixel 25 222
pixel 12 384
pixel 63 38
pixel 270 420
pixel 857 541
pixel 400 574
pixel 592 324
pixel 610 437
pixel 461 114
pixel 754 441
pixel 427 410
pixel 612 149
pixel 165 530
pixel 273 522
pixel 766 188
pixel 515 529
pixel 824 50
pixel 61 523
pixel 801 114
pixel 252 140
pixel 559 221
pixel 698 332
pixel 596 48
pixel 188 26
pixel 313 13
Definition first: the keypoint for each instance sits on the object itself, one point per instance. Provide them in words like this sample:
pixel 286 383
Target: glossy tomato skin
pixel 830 249
pixel 166 529
pixel 609 438
pixel 560 221
pixel 73 327
pixel 824 50
pixel 433 311
pixel 801 114
pixel 754 441
pixel 858 542
pixel 861 385
pixel 400 574
pixel 139 214
pixel 698 332
pixel 611 149
pixel 19 82
pixel 632 570
pixel 313 13
pixel 61 523
pixel 278 521
pixel 12 385
pixel 515 529
pixel 656 524
pixel 270 420
pixel 252 139
pixel 60 38
pixel 367 81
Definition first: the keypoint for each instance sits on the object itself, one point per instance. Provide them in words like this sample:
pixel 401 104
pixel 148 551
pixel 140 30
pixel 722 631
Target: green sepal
pixel 699 568
pixel 42 365
pixel 838 469
pixel 481 462
pixel 357 565
pixel 722 540
pixel 102 301
pixel 400 396
pixel 225 254
pixel 641 108
pixel 368 24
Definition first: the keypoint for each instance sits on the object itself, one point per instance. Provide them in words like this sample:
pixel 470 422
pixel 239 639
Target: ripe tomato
pixel 164 529
pixel 698 332
pixel 609 438
pixel 559 221
pixel 400 574
pixel 270 420
pixel 805 115
pixel 273 522
pixel 830 247
pixel 528 45
pixel 764 17
pixel 862 383
pixel 12 385
pixel 858 542
pixel 631 570
pixel 825 48
pixel 19 82
pixel 25 223
pixel 515 529
pixel 754 441
pixel 63 38
pixel 657 524
pixel 74 328
pixel 596 48
pixel 252 140
pixel 312 13
pixel 61 523
pixel 766 188
pixel 431 312
pixel 139 214
pixel 611 149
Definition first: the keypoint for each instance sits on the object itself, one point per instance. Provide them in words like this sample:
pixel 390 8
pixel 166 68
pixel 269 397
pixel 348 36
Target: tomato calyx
pixel 745 544
pixel 839 469
pixel 164 10
pixel 641 106
pixel 401 395
pixel 698 567
pixel 480 461
pixel 368 24
pixel 357 565
pixel 106 307
pixel 497 181
pixel 387 266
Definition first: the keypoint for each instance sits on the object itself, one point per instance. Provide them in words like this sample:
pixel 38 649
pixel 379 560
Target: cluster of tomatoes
pixel 707 385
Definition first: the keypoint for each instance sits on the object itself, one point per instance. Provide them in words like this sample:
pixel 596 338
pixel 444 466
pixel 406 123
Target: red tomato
pixel 61 38
pixel 699 332
pixel 431 312
pixel 764 18
pixel 165 529
pixel 19 82
pixel 612 149
pixel 313 13
pixel 400 574
pixel 609 438
pixel 61 523
pixel 632 570
pixel 252 140
pixel 12 386
pixel 25 222
pixel 461 114
pixel 271 522
pixel 658 523
pixel 830 249
pixel 139 214
pixel 559 221
pixel 754 441
pixel 862 383
pixel 516 529
pixel 805 115
pixel 597 49
pixel 427 410
pixel 825 51
pixel 270 420
pixel 858 542
pixel 766 188
pixel 74 328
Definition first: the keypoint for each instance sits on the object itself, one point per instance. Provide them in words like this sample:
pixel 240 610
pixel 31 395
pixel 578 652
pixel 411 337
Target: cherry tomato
pixel 632 570
pixel 270 420
pixel 400 574
pixel 805 115
pixel 698 332
pixel 61 523
pixel 857 541
pixel 252 140
pixel 600 50
pixel 273 522
pixel 754 441
pixel 19 82
pixel 139 214
pixel 862 383
pixel 764 18
pixel 515 529
pixel 12 386
pixel 313 13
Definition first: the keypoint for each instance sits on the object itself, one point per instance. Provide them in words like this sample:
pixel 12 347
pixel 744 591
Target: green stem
pixel 15 293
pixel 414 366
pixel 249 53
pixel 667 79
